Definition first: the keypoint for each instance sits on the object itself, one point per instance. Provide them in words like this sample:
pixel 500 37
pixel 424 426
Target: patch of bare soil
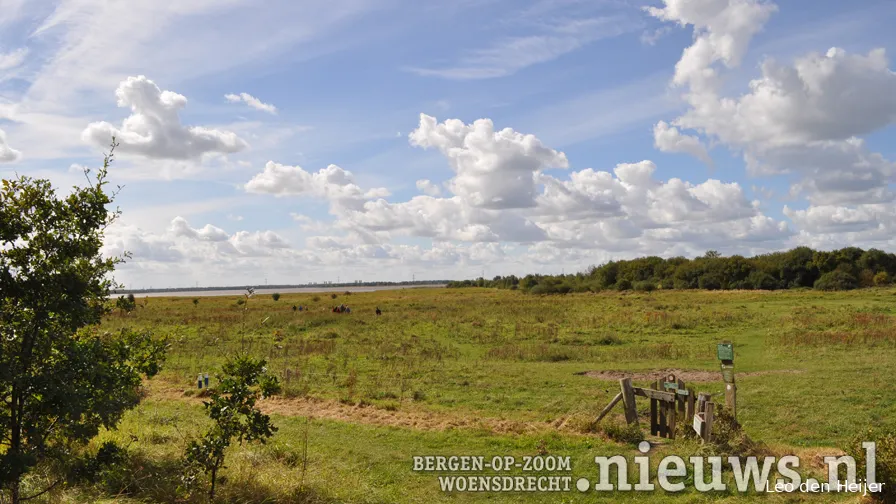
pixel 688 375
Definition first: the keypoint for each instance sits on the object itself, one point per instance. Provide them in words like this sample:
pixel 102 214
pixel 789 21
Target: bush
pixel 89 468
pixel 761 280
pixel 275 296
pixel 233 409
pixel 644 286
pixel 729 438
pixel 881 279
pixel 623 285
pixel 667 283
pixel 563 289
pixel 541 289
pixel 836 280
pixel 609 339
pixel 709 282
pixel 885 461
pixel 681 284
pixel 623 433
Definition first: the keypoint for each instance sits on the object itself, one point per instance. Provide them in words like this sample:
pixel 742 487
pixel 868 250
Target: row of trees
pixel 843 269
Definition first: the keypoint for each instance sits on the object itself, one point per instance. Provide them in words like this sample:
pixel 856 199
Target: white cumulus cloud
pixel 154 129
pixel 331 183
pixel 493 169
pixel 802 119
pixel 7 153
pixel 180 227
pixel 667 138
pixel 428 187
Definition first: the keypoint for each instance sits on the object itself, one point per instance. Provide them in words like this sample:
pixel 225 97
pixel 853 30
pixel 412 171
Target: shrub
pixel 541 289
pixel 233 409
pixel 729 438
pixel 836 280
pixel 563 289
pixel 881 279
pixel 709 282
pixel 623 433
pixel 623 285
pixel 885 461
pixel 761 280
pixel 89 468
pixel 275 296
pixel 681 284
pixel 644 286
pixel 126 304
pixel 333 296
pixel 609 339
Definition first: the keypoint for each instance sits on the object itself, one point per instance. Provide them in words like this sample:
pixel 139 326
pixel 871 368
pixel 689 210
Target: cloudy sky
pixel 310 140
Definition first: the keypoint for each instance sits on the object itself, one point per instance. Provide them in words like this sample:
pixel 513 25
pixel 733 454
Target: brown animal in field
pixel 378 312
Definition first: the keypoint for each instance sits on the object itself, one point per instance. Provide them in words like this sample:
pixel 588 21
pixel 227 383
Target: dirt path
pixel 367 414
pixel 430 421
pixel 688 375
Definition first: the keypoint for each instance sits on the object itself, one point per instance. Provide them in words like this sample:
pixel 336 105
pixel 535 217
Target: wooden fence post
pixel 654 426
pixel 731 398
pixel 628 400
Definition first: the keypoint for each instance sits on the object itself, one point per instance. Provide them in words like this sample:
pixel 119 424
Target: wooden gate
pixel 670 402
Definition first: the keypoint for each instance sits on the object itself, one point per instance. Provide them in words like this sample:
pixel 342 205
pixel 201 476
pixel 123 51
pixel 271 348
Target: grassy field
pixel 489 372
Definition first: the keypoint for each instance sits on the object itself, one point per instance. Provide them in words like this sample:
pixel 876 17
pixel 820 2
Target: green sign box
pixel 726 351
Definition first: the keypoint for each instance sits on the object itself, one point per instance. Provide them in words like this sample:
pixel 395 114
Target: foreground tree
pixel 61 379
pixel 233 410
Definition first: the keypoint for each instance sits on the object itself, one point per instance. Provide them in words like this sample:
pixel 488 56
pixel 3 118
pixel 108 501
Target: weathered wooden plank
pixel 698 424
pixel 655 394
pixel 692 402
pixel 628 400
pixel 708 419
pixel 679 398
pixel 672 414
pixel 654 428
pixel 608 407
pixel 662 427
pixel 702 399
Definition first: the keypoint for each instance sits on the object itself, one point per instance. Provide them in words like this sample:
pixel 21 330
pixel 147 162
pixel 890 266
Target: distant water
pixel 286 290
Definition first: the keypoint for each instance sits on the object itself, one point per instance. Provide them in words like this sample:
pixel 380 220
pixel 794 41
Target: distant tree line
pixel 802 267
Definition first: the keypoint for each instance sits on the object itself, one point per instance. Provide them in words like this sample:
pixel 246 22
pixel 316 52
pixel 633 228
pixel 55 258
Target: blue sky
pixel 284 139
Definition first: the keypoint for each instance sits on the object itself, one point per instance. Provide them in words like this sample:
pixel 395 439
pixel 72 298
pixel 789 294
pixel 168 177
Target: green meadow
pixel 495 372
